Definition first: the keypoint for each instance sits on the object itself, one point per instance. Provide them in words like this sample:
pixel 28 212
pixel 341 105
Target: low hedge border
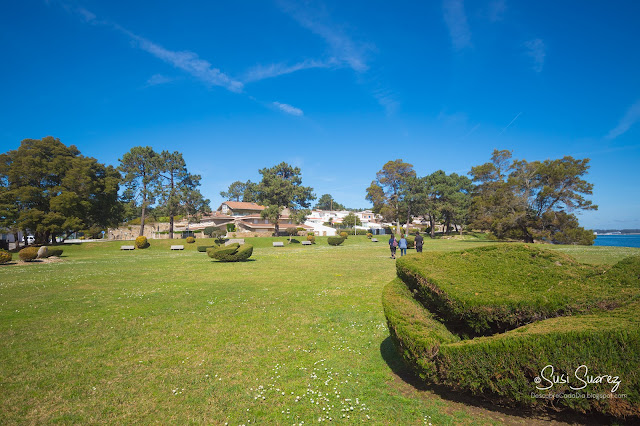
pixel 503 368
pixel 472 307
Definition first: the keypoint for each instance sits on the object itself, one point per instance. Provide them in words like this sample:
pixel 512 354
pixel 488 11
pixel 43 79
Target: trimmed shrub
pixel 231 253
pixel 493 289
pixel 344 235
pixel 203 249
pixel 231 227
pixel 55 252
pixel 546 310
pixel 335 241
pixel 28 254
pixel 191 240
pixel 141 242
pixel 311 233
pixel 311 238
pixel 369 235
pixel 5 256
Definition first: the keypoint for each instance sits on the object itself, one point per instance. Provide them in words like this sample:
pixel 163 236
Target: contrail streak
pixel 510 123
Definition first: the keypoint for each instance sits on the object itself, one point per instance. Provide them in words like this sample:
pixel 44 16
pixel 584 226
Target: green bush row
pixel 513 367
pixel 493 289
pixel 503 368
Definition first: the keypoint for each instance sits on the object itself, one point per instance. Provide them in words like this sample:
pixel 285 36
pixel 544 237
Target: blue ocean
pixel 618 240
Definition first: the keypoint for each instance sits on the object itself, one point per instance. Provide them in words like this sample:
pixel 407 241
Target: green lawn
pixel 295 334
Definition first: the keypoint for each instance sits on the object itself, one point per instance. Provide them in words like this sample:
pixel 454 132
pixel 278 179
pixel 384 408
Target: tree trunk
pixel 15 238
pixel 433 227
pixel 47 235
pixel 144 208
pixel 171 207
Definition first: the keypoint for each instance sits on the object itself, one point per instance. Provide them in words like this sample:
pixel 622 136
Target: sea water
pixel 618 240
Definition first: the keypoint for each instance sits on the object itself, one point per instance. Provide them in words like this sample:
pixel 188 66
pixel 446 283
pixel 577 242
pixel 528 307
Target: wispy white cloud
pixel 387 99
pixel 288 109
pixel 343 48
pixel 456 20
pixel 186 61
pixel 536 50
pixel 497 9
pixel 631 117
pixel 158 79
pixel 261 72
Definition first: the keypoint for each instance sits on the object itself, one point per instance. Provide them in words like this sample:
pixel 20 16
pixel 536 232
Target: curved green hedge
pixel 604 336
pixel 203 249
pixel 231 253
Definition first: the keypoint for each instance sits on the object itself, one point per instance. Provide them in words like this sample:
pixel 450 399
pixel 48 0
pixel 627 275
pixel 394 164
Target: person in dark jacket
pixel 419 241
pixel 393 245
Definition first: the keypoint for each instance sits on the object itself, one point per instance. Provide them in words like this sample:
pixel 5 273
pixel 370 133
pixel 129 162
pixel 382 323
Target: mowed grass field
pixel 296 334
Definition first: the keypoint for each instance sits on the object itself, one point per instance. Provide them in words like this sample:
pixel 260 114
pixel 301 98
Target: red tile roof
pixel 241 205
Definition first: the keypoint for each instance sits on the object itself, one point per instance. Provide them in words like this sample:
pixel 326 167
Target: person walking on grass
pixel 419 242
pixel 403 245
pixel 393 245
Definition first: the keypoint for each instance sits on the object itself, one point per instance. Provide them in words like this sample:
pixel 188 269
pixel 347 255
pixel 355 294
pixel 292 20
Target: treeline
pixel 512 199
pixel 50 189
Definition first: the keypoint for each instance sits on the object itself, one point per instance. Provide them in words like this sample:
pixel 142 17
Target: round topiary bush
pixel 369 235
pixel 335 241
pixel 5 256
pixel 231 253
pixel 28 254
pixel 311 238
pixel 344 235
pixel 191 240
pixel 141 242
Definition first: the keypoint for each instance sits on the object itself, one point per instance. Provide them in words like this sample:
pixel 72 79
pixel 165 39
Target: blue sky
pixel 336 88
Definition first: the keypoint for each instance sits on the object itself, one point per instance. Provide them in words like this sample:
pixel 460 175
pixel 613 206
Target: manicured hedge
pixel 493 289
pixel 231 253
pixel 503 367
pixel 335 241
pixel 191 240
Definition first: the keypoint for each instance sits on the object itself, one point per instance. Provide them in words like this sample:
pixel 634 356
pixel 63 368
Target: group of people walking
pixel 402 244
